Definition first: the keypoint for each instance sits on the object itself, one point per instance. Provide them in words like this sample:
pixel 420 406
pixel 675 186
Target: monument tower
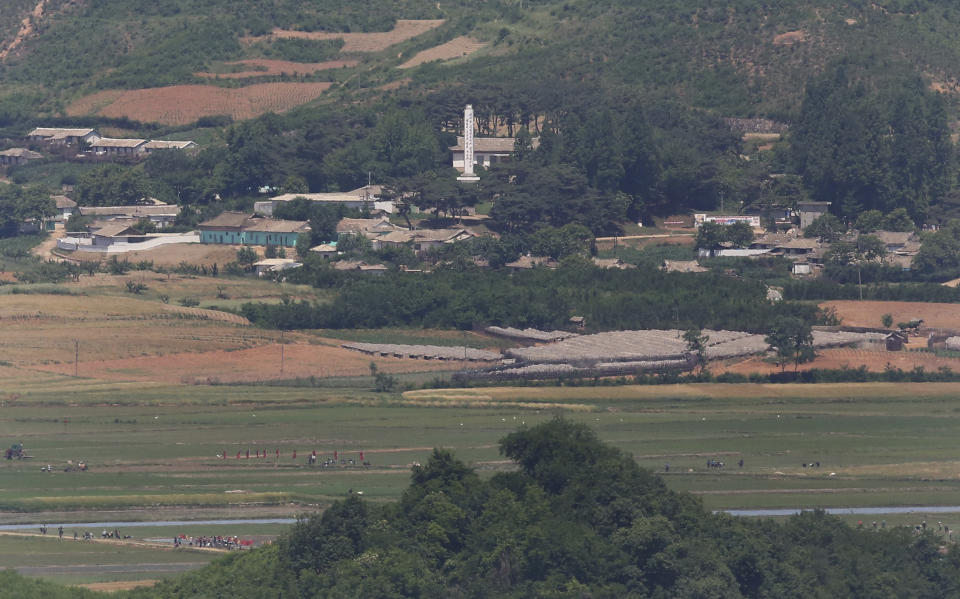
pixel 468 158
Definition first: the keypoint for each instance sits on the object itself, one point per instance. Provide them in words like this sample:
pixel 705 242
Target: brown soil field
pixel 868 313
pixel 361 42
pixel 278 67
pixel 122 585
pixel 171 255
pixel 184 104
pixel 252 364
pixel 640 242
pixel 455 48
pixel 874 360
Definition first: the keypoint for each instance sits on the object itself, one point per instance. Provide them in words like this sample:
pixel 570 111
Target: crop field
pixel 868 313
pixel 875 360
pixel 260 67
pixel 456 48
pixel 172 255
pixel 361 42
pixel 183 104
pixel 156 451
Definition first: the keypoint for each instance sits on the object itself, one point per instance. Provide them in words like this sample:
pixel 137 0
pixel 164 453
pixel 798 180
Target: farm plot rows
pixel 455 48
pixel 360 42
pixel 426 352
pixel 183 104
pixel 529 334
pixel 260 67
pixel 660 345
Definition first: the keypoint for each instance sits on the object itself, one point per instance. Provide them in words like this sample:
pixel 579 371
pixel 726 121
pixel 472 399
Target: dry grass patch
pixel 184 104
pixel 251 364
pixel 116 586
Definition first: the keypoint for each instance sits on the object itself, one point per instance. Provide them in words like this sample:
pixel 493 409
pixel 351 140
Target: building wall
pixel 261 238
pixel 226 237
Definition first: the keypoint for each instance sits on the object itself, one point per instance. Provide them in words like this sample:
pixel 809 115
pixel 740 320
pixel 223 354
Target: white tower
pixel 468 146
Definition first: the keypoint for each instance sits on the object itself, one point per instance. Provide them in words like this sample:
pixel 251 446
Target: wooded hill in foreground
pixel 577 519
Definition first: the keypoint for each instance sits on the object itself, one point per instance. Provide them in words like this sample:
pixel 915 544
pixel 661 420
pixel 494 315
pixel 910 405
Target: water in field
pixel 849 511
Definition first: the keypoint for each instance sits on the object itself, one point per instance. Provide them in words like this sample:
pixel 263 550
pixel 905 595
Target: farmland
pixel 260 67
pixel 183 104
pixel 455 48
pixel 164 444
pixel 361 42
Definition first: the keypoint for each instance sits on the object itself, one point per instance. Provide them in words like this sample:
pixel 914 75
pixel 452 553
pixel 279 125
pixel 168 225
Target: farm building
pixel 159 144
pixel 18 156
pixel 274 265
pixel 268 231
pixel 530 262
pixel 117 233
pixel 422 240
pixel 752 220
pixel 240 228
pixel 360 266
pixel 811 211
pixel 366 197
pixel 371 228
pixel 58 136
pixel 162 215
pixel 683 266
pixel 325 250
pixel 112 146
pixel 612 263
pixel 487 151
pixel 65 209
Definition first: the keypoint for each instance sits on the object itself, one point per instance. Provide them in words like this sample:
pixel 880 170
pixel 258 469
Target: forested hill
pixel 738 58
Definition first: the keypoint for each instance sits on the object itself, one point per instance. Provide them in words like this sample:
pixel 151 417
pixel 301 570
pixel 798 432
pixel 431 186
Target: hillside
pixel 742 59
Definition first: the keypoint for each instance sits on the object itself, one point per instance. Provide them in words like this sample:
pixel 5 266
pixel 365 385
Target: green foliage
pixel 246 256
pixel 19 204
pixel 792 340
pixel 868 139
pixel 302 50
pixel 15 586
pixel 827 228
pixel 111 185
pixel 541 298
pixel 940 250
pixel 711 235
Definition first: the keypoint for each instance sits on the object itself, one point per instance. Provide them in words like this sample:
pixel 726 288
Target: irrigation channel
pixel 758 513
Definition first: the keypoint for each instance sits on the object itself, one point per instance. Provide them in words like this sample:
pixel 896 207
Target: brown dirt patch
pixel 640 242
pixel 361 42
pixel 278 67
pixel 122 585
pixel 789 38
pixel 875 361
pixel 455 48
pixel 172 255
pixel 395 84
pixel 252 364
pixel 868 313
pixel 184 104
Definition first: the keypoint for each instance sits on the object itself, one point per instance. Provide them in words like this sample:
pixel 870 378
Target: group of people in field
pixel 312 458
pixel 216 542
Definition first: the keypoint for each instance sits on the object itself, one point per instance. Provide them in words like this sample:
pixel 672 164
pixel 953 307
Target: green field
pixel 153 448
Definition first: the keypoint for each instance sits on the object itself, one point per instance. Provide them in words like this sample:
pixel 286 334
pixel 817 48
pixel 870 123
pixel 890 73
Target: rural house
pixel 58 136
pixel 811 211
pixel 116 233
pixel 487 151
pixel 65 209
pixel 18 156
pixel 111 146
pixel 274 265
pixel 226 227
pixel 162 215
pixel 159 144
pixel 239 228
pixel 531 262
pixel 422 240
pixel 268 231
pixel 366 197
